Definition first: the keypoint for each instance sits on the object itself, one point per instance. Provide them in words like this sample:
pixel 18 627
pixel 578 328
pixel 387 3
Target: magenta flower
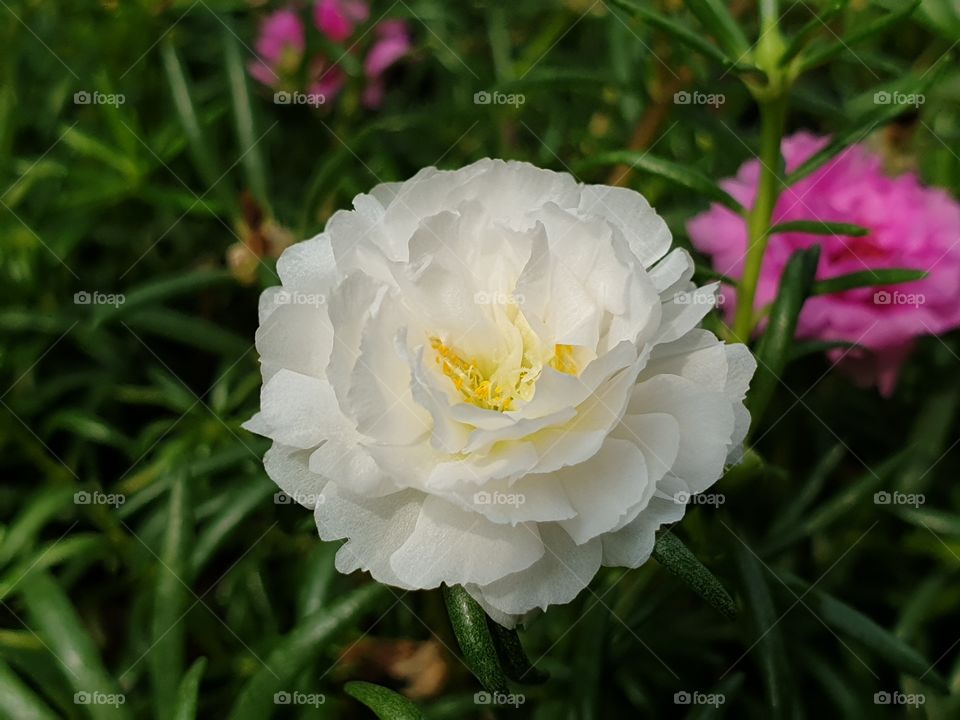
pixel 326 78
pixel 393 42
pixel 281 44
pixel 337 18
pixel 280 47
pixel 911 226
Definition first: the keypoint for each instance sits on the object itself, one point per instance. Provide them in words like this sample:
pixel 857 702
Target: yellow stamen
pixel 478 388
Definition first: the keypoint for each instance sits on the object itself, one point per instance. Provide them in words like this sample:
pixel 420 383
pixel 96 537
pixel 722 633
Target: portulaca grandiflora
pixel 494 377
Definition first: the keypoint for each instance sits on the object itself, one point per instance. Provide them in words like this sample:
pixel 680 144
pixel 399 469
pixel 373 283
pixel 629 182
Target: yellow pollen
pixel 477 388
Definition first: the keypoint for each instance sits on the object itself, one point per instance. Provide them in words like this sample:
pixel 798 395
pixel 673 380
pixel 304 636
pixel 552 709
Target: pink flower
pixel 911 226
pixel 279 45
pixel 326 78
pixel 337 18
pixel 393 42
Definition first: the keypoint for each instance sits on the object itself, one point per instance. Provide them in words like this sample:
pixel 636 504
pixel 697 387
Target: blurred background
pixel 155 159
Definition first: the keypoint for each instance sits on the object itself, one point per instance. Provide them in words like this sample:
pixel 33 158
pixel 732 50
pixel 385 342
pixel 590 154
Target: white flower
pixel 503 386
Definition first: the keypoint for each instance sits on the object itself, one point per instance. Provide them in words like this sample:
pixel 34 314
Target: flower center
pixel 497 388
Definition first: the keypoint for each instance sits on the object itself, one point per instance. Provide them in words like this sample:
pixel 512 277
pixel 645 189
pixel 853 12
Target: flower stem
pixel 772 117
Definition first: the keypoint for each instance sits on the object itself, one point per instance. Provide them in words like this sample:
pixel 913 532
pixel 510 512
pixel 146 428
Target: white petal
pixel 706 423
pixel 349 463
pixel 672 274
pixel 557 578
pixel 455 547
pixel 658 437
pixel 433 393
pixel 379 394
pixel 604 488
pixel 375 528
pixel 482 440
pixel 531 498
pixel 296 410
pixel 308 266
pixel 683 311
pixel 508 461
pixel 288 468
pixel 632 545
pixel 297 337
pixel 645 231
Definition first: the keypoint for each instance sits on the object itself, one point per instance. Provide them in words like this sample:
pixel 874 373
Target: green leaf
pixel 812 485
pixel 166 658
pixel 385 703
pixel 818 347
pixel 682 175
pixel 817 227
pixel 185 707
pixel 728 689
pixel 217 530
pixel 717 20
pixel 843 504
pixel 308 639
pixel 53 616
pixel 587 666
pixel 469 623
pixel 189 330
pixel 854 624
pixel 43 506
pixel 85 545
pixel 774 662
pixel 161 289
pixel 670 552
pixel 688 37
pixel 706 274
pixel 198 143
pixel 812 26
pixel 931 432
pixel 774 347
pixel 90 147
pixel 252 157
pixel 19 701
pixel 937 521
pixel 316 584
pixel 866 278
pixel 867 122
pixel 513 658
pixel 875 27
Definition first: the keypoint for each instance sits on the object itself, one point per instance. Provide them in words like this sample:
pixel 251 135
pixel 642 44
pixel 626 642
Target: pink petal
pixel 393 43
pixel 337 18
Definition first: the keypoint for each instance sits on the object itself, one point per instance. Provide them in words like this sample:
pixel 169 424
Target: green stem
pixel 772 117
